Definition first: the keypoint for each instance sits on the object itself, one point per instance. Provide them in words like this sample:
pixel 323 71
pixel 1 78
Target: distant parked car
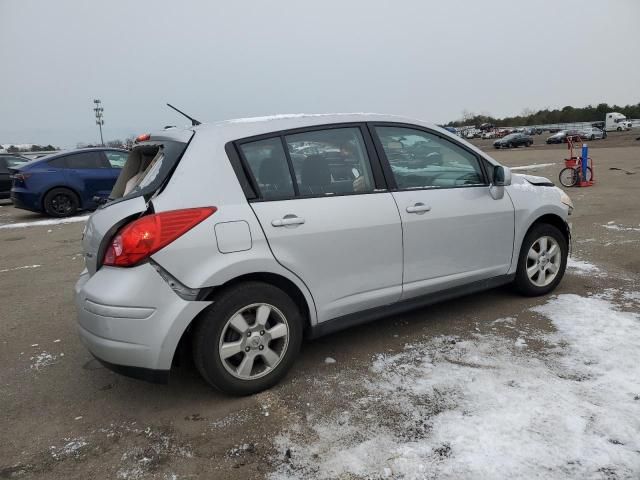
pixel 8 161
pixel 489 134
pixel 561 136
pixel 532 131
pixel 513 140
pixel 591 133
pixel 61 184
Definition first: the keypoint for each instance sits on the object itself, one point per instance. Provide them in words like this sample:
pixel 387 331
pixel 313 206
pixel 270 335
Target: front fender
pixel 532 202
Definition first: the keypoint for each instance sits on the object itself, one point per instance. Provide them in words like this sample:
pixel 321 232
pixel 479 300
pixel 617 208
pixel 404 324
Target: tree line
pixel 566 114
pixel 33 148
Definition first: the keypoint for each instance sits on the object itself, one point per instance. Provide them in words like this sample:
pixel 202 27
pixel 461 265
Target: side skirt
pixel 353 319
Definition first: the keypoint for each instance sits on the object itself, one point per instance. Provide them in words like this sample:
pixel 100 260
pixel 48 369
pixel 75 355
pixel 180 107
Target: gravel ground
pixel 397 401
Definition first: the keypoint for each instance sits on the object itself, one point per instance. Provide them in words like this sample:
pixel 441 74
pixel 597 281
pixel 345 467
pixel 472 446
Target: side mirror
pixel 501 176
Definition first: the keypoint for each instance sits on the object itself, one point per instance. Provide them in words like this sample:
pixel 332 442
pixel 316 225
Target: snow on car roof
pixel 247 127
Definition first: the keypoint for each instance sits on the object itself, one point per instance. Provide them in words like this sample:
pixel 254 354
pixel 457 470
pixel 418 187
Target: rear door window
pixel 87 160
pixel 60 162
pixel 330 162
pixel 268 164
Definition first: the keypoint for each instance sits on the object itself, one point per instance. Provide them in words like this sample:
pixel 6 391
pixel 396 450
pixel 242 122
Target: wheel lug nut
pixel 248 334
pixel 247 349
pixel 261 332
pixel 261 347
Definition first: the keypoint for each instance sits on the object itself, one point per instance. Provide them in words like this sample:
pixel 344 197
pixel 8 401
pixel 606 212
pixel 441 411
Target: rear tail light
pixel 21 177
pixel 143 237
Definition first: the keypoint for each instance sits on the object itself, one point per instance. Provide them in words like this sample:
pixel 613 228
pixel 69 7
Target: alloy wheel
pixel 254 341
pixel 61 204
pixel 543 261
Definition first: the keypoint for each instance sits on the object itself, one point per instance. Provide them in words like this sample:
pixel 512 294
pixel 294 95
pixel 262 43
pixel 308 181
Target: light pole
pixel 99 118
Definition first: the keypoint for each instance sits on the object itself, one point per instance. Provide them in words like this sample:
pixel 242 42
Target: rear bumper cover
pixel 131 320
pixel 26 200
pixel 146 374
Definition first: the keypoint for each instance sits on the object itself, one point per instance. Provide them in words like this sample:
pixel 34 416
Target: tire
pixel 593 137
pixel 214 329
pixel 61 202
pixel 528 144
pixel 510 145
pixel 568 177
pixel 619 129
pixel 528 286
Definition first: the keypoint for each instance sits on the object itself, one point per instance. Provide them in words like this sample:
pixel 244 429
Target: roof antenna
pixel 194 122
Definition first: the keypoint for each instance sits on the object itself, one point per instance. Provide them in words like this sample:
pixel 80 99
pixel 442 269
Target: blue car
pixel 61 184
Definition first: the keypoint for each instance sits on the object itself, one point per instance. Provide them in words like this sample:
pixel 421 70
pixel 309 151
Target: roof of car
pixel 63 153
pixel 248 127
pixel 239 128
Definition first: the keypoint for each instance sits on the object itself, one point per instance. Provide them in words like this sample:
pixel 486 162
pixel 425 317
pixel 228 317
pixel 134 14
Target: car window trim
pixel 292 172
pixel 380 184
pixel 391 181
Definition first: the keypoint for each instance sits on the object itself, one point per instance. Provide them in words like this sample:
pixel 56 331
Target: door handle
pixel 287 220
pixel 418 208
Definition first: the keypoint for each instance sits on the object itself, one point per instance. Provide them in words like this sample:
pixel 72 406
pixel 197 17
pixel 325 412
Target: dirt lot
pixel 63 416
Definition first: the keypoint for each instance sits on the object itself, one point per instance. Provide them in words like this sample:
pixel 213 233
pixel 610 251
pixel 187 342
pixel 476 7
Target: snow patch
pixel 581 267
pixel 4 270
pixel 42 360
pixel 620 228
pixel 329 360
pixel 289 116
pixel 41 223
pixel 72 448
pixel 520 343
pixel 482 408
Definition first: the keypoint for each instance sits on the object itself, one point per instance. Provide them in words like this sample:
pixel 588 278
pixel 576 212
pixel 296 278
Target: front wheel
pixel 542 261
pixel 593 137
pixel 248 339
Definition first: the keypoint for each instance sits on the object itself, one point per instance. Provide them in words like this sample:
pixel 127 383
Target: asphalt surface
pixel 63 416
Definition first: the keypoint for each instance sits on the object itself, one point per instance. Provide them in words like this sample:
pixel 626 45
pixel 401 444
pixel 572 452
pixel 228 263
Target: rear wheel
pixel 248 339
pixel 542 261
pixel 61 202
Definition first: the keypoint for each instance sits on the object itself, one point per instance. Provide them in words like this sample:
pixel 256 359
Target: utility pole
pixel 99 117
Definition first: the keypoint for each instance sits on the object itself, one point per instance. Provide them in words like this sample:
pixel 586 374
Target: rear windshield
pixel 147 169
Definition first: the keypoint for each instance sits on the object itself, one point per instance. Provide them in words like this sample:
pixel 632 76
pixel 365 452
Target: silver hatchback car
pixel 237 239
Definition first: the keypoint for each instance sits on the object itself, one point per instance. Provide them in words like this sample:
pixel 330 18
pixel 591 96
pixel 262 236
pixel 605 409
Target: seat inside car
pixel 272 173
pixel 315 177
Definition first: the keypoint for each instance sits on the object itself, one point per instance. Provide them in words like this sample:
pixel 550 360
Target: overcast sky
pixel 226 59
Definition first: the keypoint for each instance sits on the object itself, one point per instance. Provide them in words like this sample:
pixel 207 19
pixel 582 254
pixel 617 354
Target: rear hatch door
pixel 147 170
